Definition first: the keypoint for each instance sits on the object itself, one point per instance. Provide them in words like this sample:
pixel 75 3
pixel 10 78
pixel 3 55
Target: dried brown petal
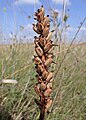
pixel 49 35
pixel 46 20
pixel 48 61
pixel 49 102
pixel 49 56
pixel 46 31
pixel 40 68
pixel 39 51
pixel 50 76
pixel 43 58
pixel 40 27
pixel 39 15
pixel 37 60
pixel 42 41
pixel 45 74
pixel 36 29
pixel 42 9
pixel 43 86
pixel 48 46
pixel 47 92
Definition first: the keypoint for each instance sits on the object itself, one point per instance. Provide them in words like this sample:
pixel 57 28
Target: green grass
pixel 69 86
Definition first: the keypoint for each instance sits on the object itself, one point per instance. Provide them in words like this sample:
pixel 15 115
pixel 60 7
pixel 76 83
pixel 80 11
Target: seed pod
pixel 36 29
pixel 42 41
pixel 40 27
pixel 43 10
pixel 50 76
pixel 37 60
pixel 48 46
pixel 42 86
pixel 47 92
pixel 49 102
pixel 46 31
pixel 37 45
pixel 49 35
pixel 49 55
pixel 39 15
pixel 41 67
pixel 43 58
pixel 39 51
pixel 48 61
pixel 45 74
pixel 46 20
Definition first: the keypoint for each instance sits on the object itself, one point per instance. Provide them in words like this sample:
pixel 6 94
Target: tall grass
pixel 69 85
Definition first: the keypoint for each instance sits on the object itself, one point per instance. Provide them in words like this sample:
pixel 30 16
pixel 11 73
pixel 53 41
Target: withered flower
pixel 43 60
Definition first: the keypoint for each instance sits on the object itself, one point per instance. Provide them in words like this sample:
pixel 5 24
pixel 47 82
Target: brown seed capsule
pixel 49 55
pixel 45 74
pixel 37 60
pixel 43 58
pixel 40 27
pixel 46 20
pixel 47 92
pixel 42 9
pixel 48 104
pixel 39 51
pixel 48 46
pixel 46 31
pixel 35 29
pixel 42 86
pixel 39 15
pixel 50 76
pixel 42 41
pixel 41 67
pixel 48 61
pixel 50 35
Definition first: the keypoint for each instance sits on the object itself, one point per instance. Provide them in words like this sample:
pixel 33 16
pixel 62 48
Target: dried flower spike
pixel 43 60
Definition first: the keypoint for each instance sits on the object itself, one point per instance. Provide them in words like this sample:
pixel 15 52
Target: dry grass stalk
pixel 43 48
pixel 12 81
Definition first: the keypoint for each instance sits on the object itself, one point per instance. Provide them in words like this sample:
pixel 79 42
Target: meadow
pixel 69 87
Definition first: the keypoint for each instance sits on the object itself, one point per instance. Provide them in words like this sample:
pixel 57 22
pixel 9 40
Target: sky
pixel 16 16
